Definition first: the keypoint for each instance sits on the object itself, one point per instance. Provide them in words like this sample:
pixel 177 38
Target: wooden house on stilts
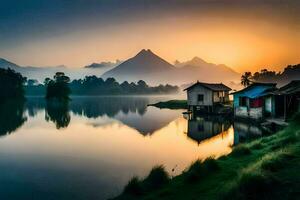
pixel 203 97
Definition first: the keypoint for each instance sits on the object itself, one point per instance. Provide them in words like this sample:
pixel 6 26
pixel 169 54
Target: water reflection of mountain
pixel 153 120
pixel 201 128
pixel 11 116
pixel 131 111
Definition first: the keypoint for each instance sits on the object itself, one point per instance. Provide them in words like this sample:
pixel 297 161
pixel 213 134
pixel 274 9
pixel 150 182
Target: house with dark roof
pixel 204 96
pixel 252 101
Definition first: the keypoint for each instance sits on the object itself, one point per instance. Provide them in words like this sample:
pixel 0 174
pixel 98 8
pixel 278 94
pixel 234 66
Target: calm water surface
pixel 90 148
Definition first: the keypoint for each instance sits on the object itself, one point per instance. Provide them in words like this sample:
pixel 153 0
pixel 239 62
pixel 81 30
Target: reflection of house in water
pixel 244 131
pixel 201 128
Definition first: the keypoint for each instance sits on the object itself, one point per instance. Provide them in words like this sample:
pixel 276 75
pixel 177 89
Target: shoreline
pixel 265 168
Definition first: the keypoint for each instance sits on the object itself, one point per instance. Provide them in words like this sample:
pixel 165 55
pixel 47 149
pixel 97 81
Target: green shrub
pixel 257 146
pixel 199 169
pixel 133 187
pixel 276 162
pixel 210 164
pixel 284 142
pixel 156 178
pixel 195 171
pixel 241 150
pixel 252 186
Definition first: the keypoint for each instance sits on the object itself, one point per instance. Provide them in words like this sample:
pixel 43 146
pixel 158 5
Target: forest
pixel 291 72
pixel 92 85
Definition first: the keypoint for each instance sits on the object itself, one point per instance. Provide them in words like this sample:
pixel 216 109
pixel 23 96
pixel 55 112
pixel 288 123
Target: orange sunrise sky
pixel 245 35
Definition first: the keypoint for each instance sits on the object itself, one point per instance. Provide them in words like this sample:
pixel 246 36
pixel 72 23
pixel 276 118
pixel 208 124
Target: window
pixel 200 97
pixel 221 94
pixel 242 101
pixel 256 103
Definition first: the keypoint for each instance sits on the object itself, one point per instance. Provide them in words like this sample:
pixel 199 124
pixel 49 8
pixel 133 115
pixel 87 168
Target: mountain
pixel 201 70
pixel 40 73
pixel 7 64
pixel 144 66
pixel 154 70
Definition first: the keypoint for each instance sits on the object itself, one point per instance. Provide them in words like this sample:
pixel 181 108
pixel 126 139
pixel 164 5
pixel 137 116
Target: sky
pixel 247 35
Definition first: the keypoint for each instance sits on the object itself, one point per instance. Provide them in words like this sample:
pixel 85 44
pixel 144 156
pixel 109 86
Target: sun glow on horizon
pixel 222 35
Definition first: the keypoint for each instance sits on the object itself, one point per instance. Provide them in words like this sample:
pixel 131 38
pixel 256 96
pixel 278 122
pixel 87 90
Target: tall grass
pixel 200 169
pixel 133 187
pixel 251 185
pixel 241 150
pixel 157 178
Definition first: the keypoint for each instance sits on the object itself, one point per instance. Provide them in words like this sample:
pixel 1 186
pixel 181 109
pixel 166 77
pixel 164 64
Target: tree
pixel 32 82
pixel 58 87
pixel 58 113
pixel 11 84
pixel 142 84
pixel 246 79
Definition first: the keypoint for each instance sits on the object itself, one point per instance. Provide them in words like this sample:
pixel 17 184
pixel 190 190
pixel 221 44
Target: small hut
pixel 251 102
pixel 204 96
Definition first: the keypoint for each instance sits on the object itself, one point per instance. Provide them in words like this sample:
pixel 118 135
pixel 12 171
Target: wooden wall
pixel 192 96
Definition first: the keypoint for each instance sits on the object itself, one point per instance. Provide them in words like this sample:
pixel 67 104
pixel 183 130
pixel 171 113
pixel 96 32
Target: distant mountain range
pixel 40 73
pixel 145 66
pixel 149 67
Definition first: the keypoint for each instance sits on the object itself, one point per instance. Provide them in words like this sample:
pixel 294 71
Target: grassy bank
pixel 172 104
pixel 266 168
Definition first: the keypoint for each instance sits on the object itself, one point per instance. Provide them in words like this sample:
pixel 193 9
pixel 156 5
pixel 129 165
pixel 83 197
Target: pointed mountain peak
pixel 145 52
pixel 149 51
pixel 196 60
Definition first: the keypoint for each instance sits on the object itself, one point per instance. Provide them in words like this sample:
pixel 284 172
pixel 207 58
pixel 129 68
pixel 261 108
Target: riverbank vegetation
pixel 266 168
pixel 58 87
pixel 291 72
pixel 94 86
pixel 11 85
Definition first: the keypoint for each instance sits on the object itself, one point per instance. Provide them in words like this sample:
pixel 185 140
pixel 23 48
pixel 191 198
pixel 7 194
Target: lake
pixel 90 148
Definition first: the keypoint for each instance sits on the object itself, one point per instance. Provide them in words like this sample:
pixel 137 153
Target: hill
pixel 149 67
pixel 40 73
pixel 144 66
